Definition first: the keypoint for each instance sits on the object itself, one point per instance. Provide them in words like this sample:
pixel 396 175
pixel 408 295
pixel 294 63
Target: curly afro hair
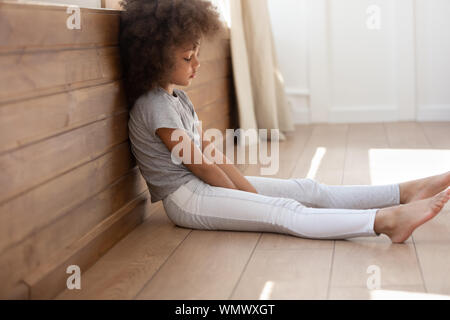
pixel 150 30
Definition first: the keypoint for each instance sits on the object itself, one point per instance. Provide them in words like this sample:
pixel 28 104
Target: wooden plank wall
pixel 69 185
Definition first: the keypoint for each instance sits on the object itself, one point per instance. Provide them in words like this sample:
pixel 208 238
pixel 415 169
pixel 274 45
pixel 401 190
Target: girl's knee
pixel 311 191
pixel 308 183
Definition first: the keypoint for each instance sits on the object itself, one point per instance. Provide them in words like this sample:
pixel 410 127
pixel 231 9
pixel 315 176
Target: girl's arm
pixel 228 167
pixel 206 170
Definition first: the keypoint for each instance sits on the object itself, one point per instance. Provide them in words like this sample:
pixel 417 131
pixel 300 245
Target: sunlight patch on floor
pixel 266 291
pixel 315 162
pixel 398 165
pixel 405 295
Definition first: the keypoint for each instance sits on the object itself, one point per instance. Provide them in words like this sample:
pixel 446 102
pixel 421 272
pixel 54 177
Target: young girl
pixel 160 43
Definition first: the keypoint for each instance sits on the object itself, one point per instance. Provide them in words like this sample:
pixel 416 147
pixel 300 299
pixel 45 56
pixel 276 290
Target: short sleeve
pixel 196 120
pixel 162 115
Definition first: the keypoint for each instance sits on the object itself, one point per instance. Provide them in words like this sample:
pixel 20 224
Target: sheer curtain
pixel 260 91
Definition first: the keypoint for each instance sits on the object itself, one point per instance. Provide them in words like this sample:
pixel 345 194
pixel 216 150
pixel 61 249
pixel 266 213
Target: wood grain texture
pixel 70 187
pixel 23 258
pixel 52 157
pixel 161 261
pixel 124 270
pixel 32 120
pixel 26 27
pixel 29 212
pixel 31 75
pixel 50 278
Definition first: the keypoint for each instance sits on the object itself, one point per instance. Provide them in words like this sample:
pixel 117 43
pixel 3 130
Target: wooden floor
pixel 161 261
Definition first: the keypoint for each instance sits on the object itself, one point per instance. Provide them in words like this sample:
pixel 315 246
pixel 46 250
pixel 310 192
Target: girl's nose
pixel 196 63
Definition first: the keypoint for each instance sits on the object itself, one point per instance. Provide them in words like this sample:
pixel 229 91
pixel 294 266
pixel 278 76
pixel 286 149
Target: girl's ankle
pixel 385 220
pixel 404 196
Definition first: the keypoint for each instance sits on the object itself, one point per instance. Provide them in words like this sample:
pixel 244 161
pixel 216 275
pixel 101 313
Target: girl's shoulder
pixel 155 97
pixel 183 95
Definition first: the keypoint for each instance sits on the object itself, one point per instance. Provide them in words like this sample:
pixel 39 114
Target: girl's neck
pixel 169 88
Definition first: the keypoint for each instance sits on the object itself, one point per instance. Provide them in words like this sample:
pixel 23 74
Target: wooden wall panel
pixel 29 27
pixel 31 75
pixel 211 70
pixel 111 4
pixel 212 92
pixel 33 251
pixel 29 121
pixel 70 188
pixel 29 212
pixel 49 158
pixel 45 281
pixel 208 114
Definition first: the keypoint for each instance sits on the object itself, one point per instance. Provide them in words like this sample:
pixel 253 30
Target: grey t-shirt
pixel 159 109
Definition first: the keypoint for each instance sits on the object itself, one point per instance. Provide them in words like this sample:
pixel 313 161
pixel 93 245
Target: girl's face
pixel 186 65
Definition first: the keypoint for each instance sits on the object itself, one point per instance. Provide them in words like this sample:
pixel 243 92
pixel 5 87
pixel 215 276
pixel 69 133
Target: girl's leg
pixel 198 205
pixel 314 194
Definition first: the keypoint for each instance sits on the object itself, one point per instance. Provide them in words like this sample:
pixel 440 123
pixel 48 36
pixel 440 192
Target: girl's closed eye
pixel 189 59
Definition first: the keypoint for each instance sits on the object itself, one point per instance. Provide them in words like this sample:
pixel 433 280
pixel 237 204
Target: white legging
pixel 299 207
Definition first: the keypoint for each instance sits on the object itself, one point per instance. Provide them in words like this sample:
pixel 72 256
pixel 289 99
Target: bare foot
pixel 399 222
pixel 423 188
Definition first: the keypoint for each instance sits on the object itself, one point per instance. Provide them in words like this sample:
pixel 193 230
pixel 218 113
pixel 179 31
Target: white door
pixel 362 60
pixel 433 59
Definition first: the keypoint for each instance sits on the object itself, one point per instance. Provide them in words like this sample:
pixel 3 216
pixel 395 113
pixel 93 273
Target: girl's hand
pixel 227 166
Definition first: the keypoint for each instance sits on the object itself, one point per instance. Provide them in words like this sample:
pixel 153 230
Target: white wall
pixel 433 59
pixel 364 60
